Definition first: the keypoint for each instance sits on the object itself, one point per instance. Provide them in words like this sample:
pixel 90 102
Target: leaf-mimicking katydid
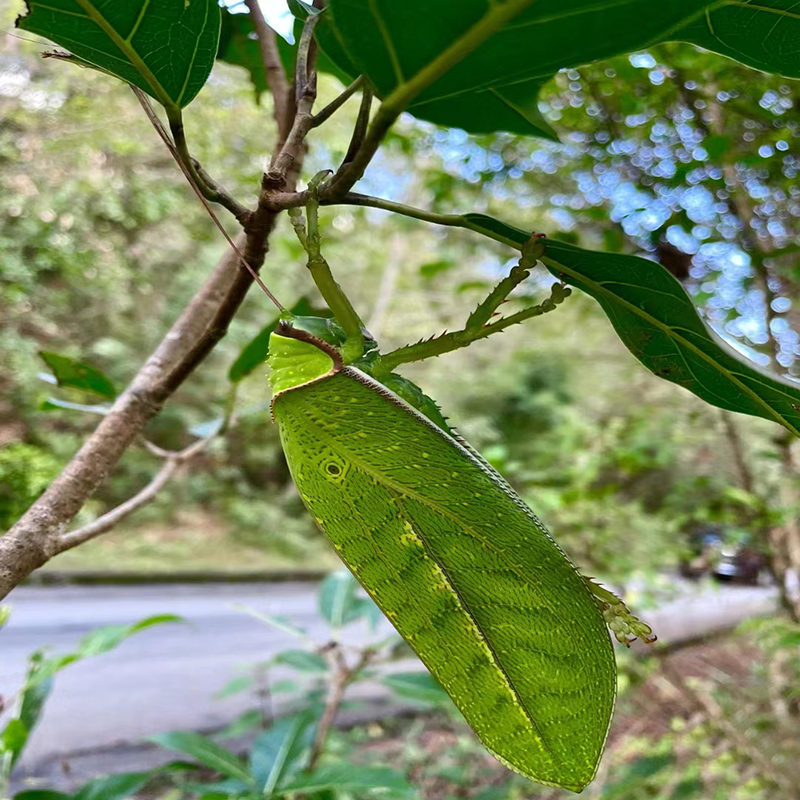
pixel 462 568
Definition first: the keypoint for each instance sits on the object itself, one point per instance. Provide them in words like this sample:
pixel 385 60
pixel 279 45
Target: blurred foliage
pixel 25 472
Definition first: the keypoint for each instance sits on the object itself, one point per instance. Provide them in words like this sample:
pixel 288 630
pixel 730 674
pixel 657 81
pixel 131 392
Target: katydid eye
pixel 333 469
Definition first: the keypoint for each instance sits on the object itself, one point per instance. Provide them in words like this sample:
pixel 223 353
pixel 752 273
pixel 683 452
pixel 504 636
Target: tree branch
pixel 305 95
pixel 35 537
pixel 276 77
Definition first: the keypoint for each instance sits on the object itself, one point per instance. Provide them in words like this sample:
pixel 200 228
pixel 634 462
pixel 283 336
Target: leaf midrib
pixel 124 46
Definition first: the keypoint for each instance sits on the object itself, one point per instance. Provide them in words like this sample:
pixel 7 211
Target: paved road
pixel 165 678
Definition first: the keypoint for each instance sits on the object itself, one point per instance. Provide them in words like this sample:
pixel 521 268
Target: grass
pixel 195 541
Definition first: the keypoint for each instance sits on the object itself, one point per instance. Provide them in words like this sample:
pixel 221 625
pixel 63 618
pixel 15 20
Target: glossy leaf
pixel 76 374
pixel 206 752
pixel 34 694
pixel 42 794
pixel 13 737
pixel 657 321
pixel 659 324
pixel 165 48
pixel 495 86
pixel 351 778
pixel 465 572
pixel 763 35
pixel 101 641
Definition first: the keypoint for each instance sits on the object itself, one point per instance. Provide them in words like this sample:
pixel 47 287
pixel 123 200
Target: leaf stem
pixel 324 114
pixel 448 220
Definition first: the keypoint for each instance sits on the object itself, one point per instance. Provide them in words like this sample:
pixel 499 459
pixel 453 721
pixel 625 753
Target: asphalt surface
pixel 166 677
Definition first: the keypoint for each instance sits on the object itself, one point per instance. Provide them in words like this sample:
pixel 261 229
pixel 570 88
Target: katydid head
pixel 297 357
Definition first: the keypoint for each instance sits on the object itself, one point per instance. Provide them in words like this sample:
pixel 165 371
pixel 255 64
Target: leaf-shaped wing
pixel 462 568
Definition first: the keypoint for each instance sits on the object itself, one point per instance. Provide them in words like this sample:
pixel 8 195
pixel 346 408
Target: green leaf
pixel 113 787
pixel 100 641
pixel 635 773
pixel 433 268
pixel 206 752
pixel 14 737
pixel 244 723
pixel 43 794
pixel 107 638
pixel 256 351
pixel 35 691
pixel 302 660
pixel 419 686
pixel 350 778
pixel 762 35
pixel 339 602
pixel 78 375
pixel 492 81
pixel 165 48
pixel 234 686
pixel 657 321
pixel 279 753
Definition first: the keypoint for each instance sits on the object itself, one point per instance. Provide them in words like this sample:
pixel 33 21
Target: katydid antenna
pixel 165 137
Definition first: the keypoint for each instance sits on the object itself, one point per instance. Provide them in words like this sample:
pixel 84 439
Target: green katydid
pixel 462 568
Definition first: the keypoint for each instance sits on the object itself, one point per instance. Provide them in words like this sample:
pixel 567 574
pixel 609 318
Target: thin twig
pixel 343 676
pixel 110 519
pixel 360 128
pixel 273 69
pixel 208 188
pixel 337 103
pixel 305 95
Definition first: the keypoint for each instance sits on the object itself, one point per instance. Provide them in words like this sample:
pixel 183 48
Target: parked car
pixel 728 554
